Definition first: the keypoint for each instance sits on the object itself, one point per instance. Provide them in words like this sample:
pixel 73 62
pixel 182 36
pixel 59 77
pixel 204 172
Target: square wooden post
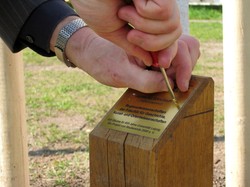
pixel 14 169
pixel 181 156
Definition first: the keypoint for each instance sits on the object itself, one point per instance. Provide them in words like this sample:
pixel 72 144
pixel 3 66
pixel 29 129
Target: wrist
pixel 77 45
pixel 63 32
pixel 55 34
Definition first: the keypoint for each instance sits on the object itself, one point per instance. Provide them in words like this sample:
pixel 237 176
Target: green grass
pixel 206 23
pixel 205 12
pixel 57 90
pixel 206 31
pixel 29 58
pixel 63 105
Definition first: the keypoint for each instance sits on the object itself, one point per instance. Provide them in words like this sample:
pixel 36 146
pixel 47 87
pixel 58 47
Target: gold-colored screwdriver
pixel 169 87
pixel 155 64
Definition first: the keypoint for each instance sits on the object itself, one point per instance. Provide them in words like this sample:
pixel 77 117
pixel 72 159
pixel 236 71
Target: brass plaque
pixel 144 114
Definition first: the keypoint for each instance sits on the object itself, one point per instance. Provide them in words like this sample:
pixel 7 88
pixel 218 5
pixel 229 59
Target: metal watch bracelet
pixel 65 33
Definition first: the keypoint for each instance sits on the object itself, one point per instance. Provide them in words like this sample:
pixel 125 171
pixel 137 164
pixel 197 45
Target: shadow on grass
pixel 49 152
pixel 219 138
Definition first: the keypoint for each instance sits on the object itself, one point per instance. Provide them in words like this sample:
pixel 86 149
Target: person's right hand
pixel 156 24
pixel 110 64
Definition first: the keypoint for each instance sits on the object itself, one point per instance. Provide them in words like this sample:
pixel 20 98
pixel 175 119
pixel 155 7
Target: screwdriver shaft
pixel 169 87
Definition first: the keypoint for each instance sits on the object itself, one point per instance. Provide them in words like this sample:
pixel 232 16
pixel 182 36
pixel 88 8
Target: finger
pixel 171 72
pixel 193 47
pixel 166 56
pixel 152 42
pixel 159 9
pixel 183 66
pixel 138 62
pixel 183 75
pixel 146 81
pixel 130 15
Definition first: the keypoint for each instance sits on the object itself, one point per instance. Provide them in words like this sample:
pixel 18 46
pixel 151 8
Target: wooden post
pixel 181 156
pixel 13 143
pixel 236 29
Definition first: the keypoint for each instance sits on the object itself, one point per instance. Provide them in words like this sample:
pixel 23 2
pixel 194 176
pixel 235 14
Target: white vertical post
pixel 183 7
pixel 236 44
pixel 13 143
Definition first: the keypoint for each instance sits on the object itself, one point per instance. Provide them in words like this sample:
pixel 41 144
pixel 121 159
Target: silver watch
pixel 65 33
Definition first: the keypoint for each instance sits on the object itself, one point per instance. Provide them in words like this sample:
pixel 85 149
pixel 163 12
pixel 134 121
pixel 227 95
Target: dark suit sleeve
pixel 30 23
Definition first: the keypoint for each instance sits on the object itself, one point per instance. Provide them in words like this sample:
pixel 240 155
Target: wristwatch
pixel 65 33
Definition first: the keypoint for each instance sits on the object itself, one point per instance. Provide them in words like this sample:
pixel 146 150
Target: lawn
pixel 63 105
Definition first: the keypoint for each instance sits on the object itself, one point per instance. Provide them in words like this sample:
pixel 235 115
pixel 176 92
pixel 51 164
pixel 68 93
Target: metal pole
pixel 13 143
pixel 236 44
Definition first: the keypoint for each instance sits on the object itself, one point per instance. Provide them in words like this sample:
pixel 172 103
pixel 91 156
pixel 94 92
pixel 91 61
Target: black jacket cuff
pixel 38 29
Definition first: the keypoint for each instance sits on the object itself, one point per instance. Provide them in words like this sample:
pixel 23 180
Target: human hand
pixel 156 23
pixel 111 65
